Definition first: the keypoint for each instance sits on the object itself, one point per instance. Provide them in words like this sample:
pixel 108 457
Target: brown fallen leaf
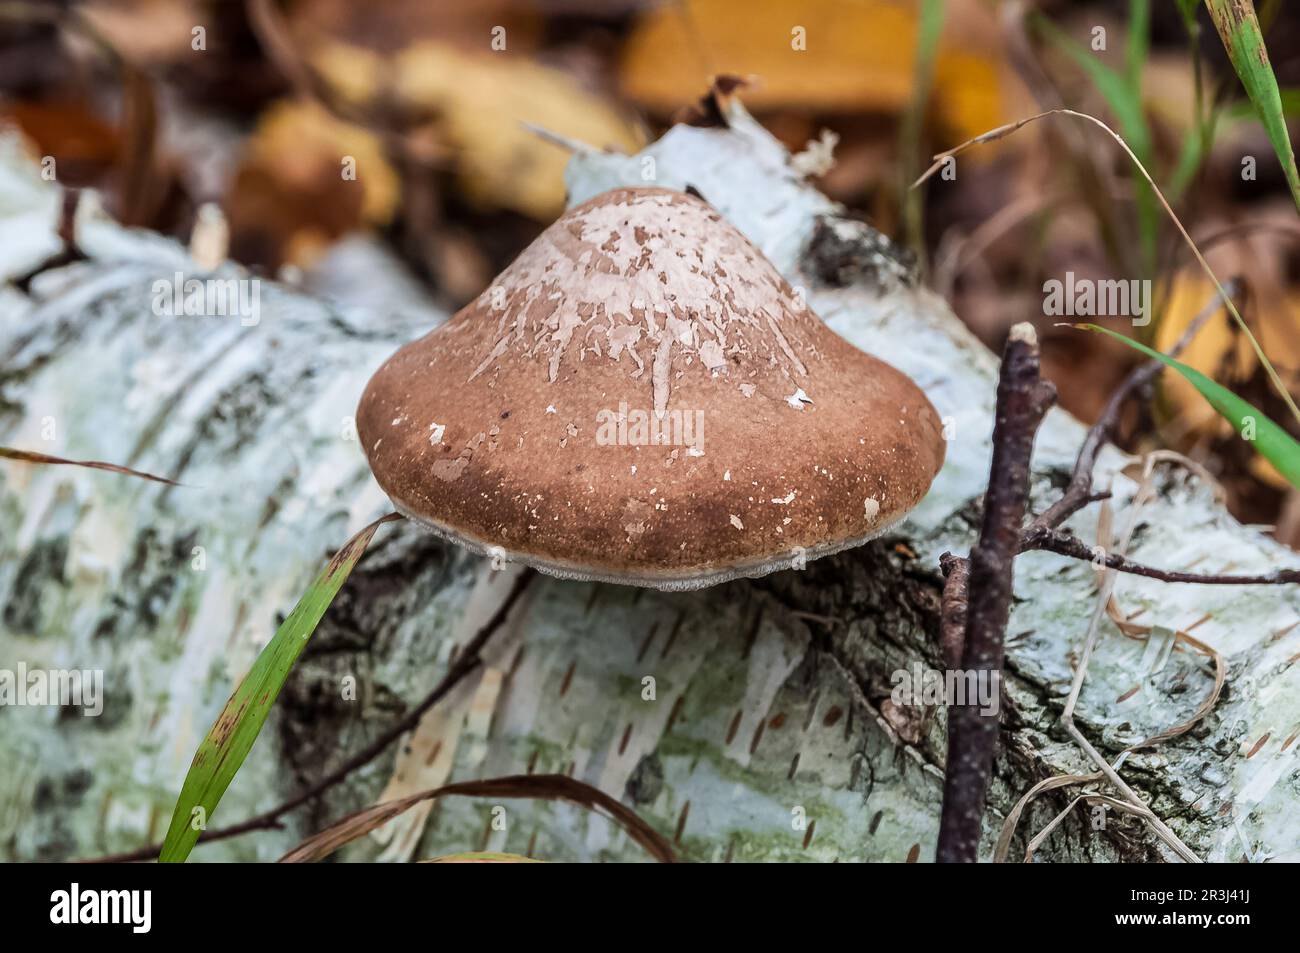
pixel 81 143
pixel 306 179
pixel 479 103
pixel 399 23
pixel 147 31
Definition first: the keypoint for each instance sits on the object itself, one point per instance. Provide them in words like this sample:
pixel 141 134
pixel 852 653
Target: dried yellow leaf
pixel 482 101
pixel 1214 349
pixel 303 146
pixel 1220 353
pixel 831 55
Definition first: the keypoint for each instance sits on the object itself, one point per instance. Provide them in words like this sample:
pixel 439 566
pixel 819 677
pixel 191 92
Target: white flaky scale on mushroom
pixel 616 407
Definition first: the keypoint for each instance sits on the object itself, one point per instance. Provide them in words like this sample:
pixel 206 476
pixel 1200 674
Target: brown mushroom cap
pixel 642 307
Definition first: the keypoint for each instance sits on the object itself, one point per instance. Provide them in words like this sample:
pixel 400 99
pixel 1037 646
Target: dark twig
pixel 466 661
pixel 1055 541
pixel 69 252
pixel 976 594
pixel 952 623
pixel 1023 399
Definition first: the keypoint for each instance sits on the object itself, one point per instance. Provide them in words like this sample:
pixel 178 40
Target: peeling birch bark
pixel 770 734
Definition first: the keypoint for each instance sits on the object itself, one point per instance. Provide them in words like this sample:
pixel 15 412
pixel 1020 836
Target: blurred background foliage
pixel 166 105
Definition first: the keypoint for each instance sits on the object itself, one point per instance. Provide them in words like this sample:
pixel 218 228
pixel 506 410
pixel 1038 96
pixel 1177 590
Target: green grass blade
pixel 1135 60
pixel 1270 441
pixel 1198 144
pixel 228 742
pixel 1289 96
pixel 1124 101
pixel 927 47
pixel 1196 148
pixel 1123 94
pixel 1190 157
pixel 1139 42
pixel 1239 29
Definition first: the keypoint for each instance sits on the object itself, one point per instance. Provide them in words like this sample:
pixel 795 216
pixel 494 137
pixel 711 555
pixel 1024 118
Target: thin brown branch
pixel 1063 544
pixel 952 622
pixel 975 609
pixel 272 33
pixel 1023 400
pixel 69 252
pixel 466 661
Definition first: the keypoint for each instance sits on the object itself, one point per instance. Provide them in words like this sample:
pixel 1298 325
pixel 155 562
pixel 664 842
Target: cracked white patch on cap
pixel 798 399
pixel 449 470
pixel 871 507
pixel 711 355
pixel 735 521
pixel 654 276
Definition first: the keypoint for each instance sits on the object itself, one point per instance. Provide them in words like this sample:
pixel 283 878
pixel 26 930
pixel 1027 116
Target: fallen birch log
pixel 751 721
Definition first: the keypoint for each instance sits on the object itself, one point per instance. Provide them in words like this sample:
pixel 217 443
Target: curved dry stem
pixel 1115 803
pixel 1089 644
pixel 1003 845
pixel 1135 631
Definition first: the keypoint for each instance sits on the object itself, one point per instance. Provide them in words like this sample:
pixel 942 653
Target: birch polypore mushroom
pixel 641 398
